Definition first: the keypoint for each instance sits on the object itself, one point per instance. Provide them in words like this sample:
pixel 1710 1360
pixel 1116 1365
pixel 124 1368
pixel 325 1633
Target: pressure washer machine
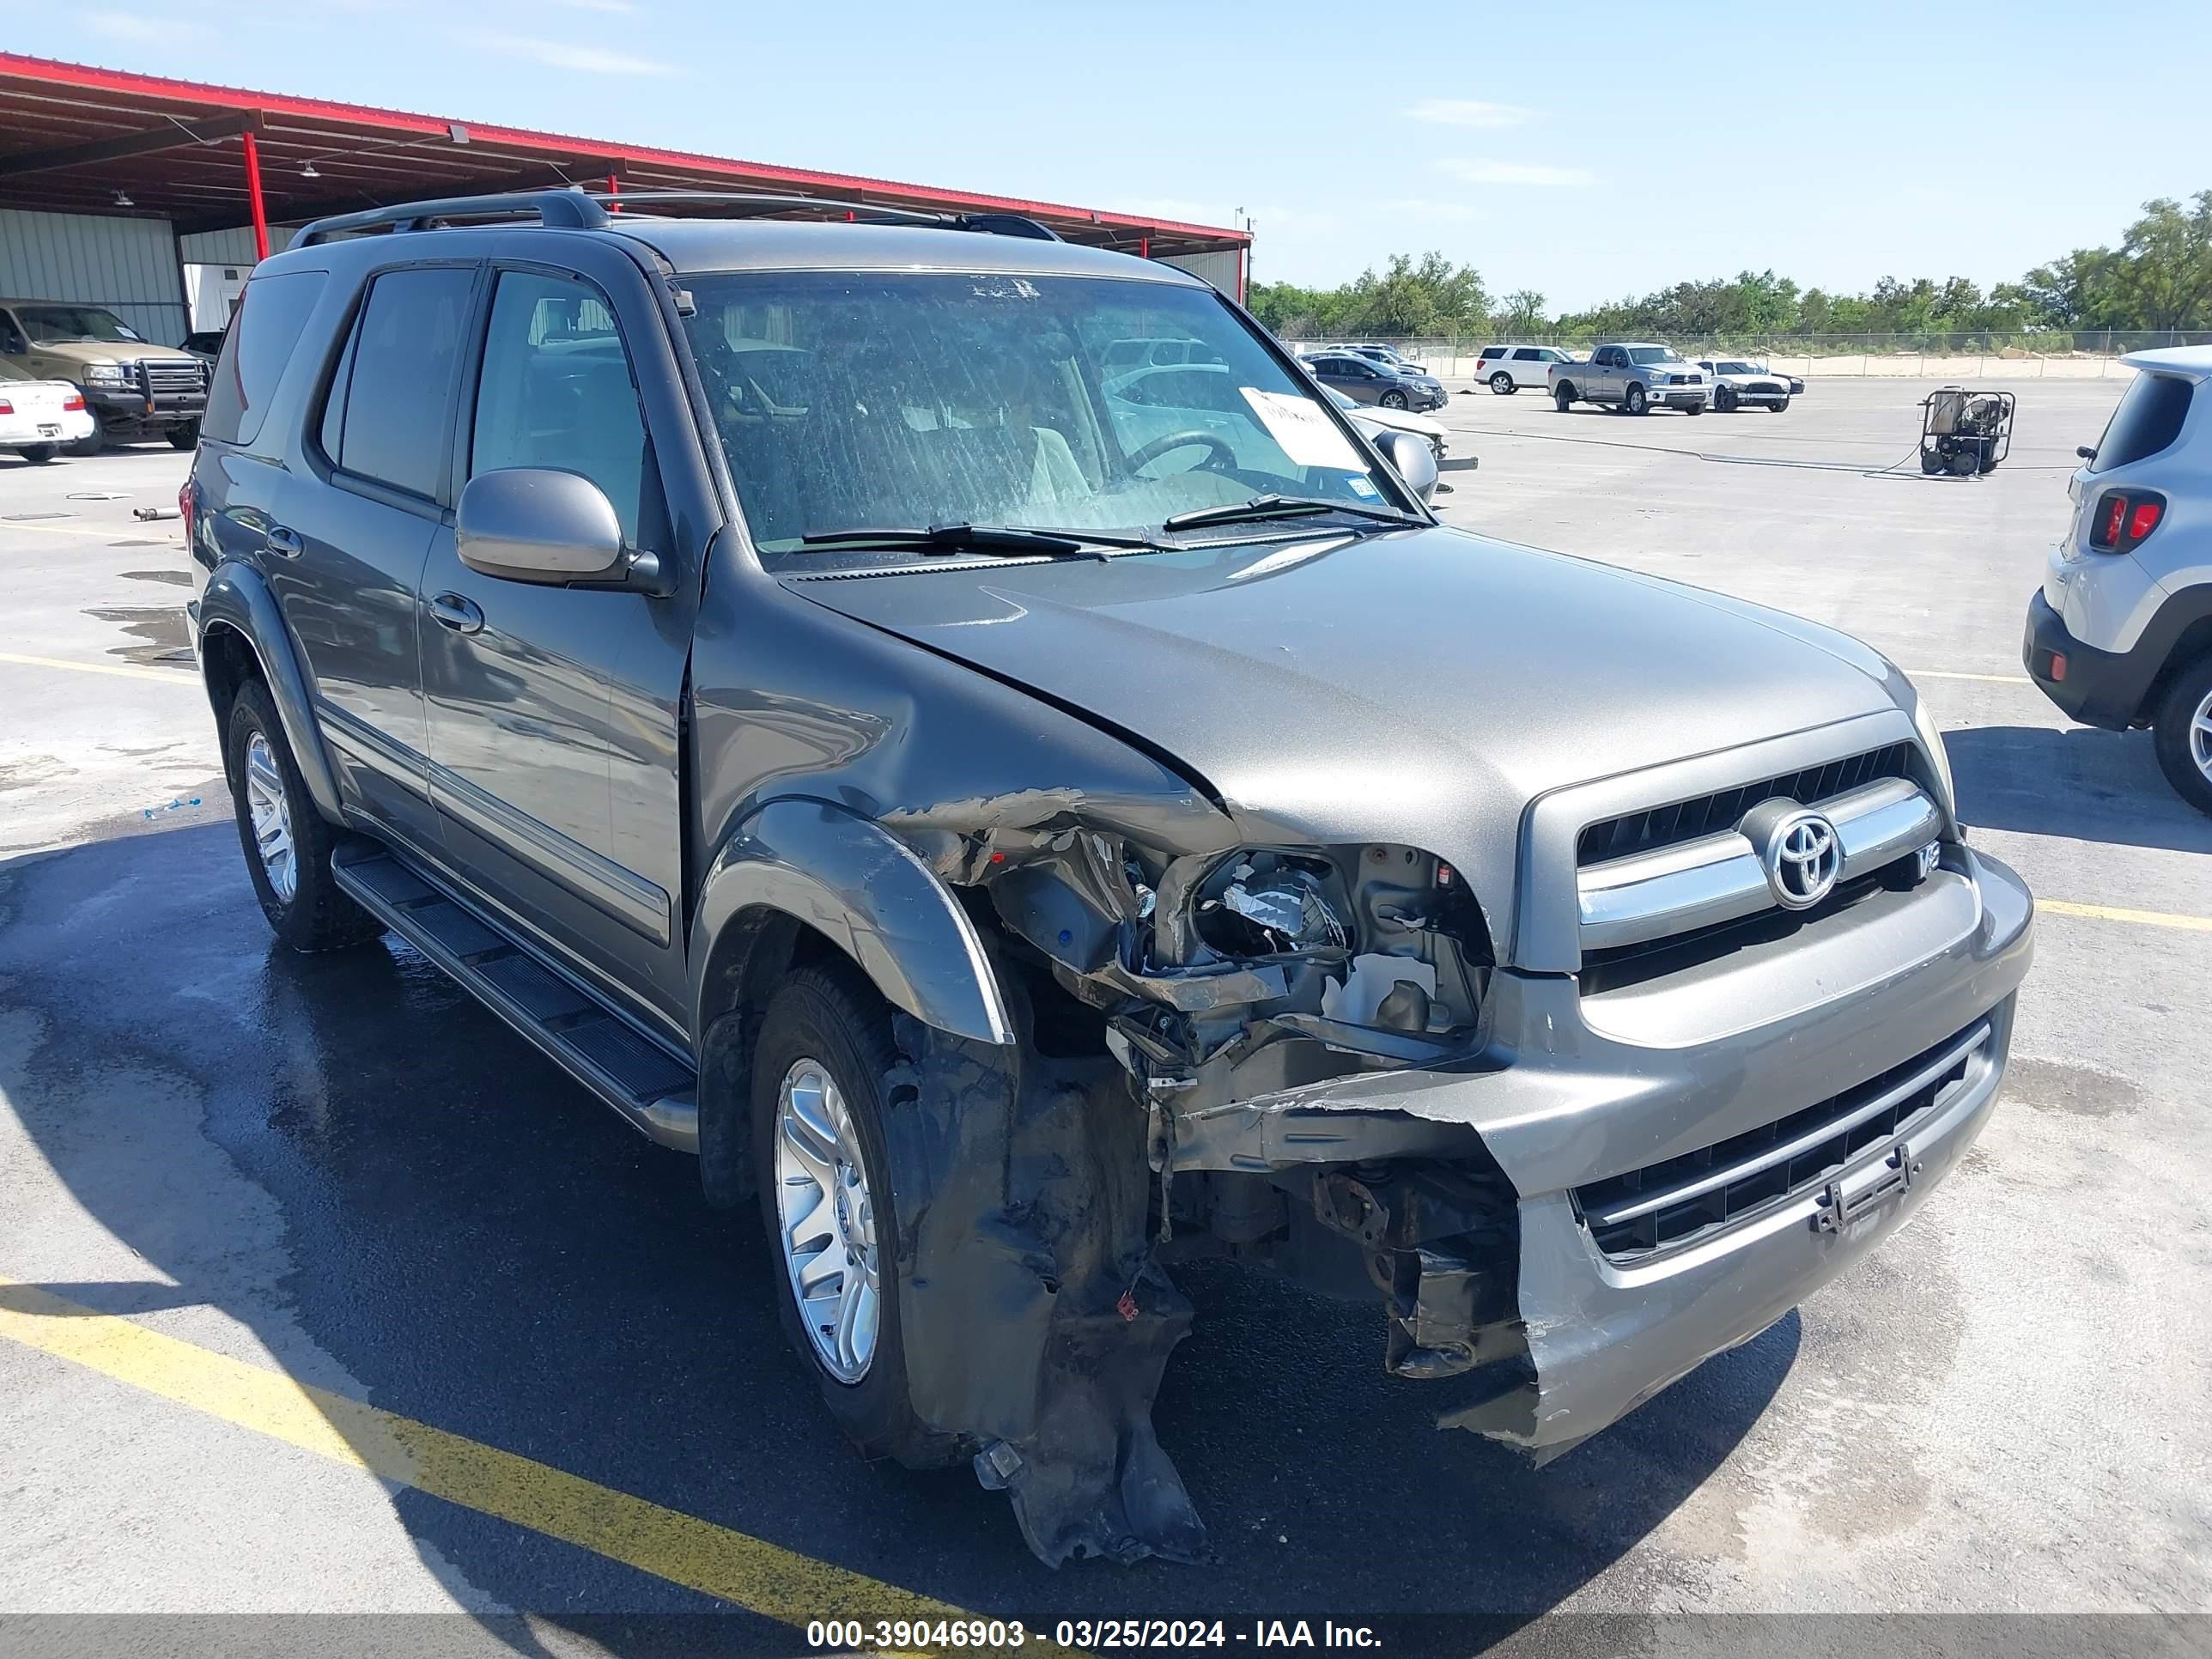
pixel 1964 434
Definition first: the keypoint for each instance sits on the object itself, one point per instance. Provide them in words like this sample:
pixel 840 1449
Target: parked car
pixel 1736 384
pixel 1365 381
pixel 1014 848
pixel 2120 633
pixel 134 388
pixel 1633 378
pixel 40 418
pixel 1374 421
pixel 1389 356
pixel 206 344
pixel 1794 383
pixel 1507 368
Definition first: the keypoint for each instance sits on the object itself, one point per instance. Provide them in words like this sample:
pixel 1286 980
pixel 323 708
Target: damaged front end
pixel 1044 1186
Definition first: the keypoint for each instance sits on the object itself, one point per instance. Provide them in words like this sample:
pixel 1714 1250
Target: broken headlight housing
pixel 1263 903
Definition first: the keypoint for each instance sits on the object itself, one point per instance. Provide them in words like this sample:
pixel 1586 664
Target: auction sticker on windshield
pixel 1306 434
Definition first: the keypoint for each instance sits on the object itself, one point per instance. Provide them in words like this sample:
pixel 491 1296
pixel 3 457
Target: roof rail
pixel 565 210
pixel 575 208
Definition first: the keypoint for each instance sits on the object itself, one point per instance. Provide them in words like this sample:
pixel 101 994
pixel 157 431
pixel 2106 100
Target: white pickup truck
pixel 1633 377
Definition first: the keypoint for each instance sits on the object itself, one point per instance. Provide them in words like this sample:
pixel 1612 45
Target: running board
pixel 648 1083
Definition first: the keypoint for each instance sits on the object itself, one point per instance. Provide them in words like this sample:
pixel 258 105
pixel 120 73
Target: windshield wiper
pixel 965 537
pixel 1281 507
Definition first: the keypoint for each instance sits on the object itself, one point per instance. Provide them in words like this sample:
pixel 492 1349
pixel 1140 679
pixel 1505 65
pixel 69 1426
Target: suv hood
pixel 87 352
pixel 1417 686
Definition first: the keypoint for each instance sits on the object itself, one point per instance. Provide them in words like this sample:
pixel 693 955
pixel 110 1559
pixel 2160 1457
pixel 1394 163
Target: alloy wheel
pixel 273 818
pixel 827 1221
pixel 2200 736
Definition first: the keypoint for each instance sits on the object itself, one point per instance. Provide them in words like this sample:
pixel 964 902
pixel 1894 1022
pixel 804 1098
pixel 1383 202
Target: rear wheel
pixel 1931 462
pixel 2182 733
pixel 1564 395
pixel 825 1194
pixel 287 841
pixel 93 443
pixel 38 454
pixel 1637 403
pixel 1502 384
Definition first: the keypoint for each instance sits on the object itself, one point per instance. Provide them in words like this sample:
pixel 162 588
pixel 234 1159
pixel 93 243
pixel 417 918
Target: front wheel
pixel 1636 402
pixel 186 436
pixel 825 1194
pixel 1779 406
pixel 1502 384
pixel 1563 396
pixel 1725 400
pixel 1693 408
pixel 1393 400
pixel 2182 734
pixel 287 841
pixel 38 454
pixel 93 443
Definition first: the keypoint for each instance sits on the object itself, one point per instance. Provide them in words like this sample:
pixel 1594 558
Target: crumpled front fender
pixel 868 893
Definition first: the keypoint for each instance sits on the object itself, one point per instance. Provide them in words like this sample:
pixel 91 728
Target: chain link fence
pixel 2030 353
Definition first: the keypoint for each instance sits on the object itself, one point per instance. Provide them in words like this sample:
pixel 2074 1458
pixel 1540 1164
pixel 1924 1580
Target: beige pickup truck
pixel 134 388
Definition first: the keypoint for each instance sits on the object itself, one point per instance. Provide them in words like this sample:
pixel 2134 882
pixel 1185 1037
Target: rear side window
pixel 271 314
pixel 1488 352
pixel 393 397
pixel 2147 419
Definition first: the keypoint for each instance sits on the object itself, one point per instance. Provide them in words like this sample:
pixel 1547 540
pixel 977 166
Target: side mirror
pixel 527 524
pixel 1411 459
pixel 2087 452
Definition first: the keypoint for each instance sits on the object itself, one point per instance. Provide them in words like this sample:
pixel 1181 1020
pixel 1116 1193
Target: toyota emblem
pixel 1802 858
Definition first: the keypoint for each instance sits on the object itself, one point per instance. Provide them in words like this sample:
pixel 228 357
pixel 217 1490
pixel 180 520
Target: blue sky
pixel 1586 151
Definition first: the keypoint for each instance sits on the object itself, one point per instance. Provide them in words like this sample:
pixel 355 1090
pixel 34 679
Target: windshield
pixel 1733 367
pixel 1652 355
pixel 74 326
pixel 853 400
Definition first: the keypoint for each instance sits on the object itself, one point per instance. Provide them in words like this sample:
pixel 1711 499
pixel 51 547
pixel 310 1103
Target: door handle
pixel 462 616
pixel 284 543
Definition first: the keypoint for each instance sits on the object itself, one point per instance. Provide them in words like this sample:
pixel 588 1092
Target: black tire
pixel 1564 395
pixel 1778 408
pixel 1502 384
pixel 316 916
pixel 1693 408
pixel 1724 399
pixel 38 454
pixel 1931 462
pixel 1392 400
pixel 186 436
pixel 1961 463
pixel 2178 711
pixel 94 444
pixel 1637 401
pixel 833 1015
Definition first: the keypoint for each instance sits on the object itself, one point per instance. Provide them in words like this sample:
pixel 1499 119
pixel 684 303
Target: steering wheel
pixel 1222 455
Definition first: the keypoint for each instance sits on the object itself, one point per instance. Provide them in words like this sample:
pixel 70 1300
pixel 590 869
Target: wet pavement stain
pixel 2050 1085
pixel 162 626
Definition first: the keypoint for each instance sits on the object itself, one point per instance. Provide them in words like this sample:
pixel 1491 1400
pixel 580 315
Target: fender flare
pixel 238 597
pixel 865 889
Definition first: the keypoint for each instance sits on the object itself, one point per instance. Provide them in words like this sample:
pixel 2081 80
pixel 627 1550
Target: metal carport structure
pixel 99 167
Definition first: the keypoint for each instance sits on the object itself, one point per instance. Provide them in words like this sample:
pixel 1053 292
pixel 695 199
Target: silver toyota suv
pixel 1018 838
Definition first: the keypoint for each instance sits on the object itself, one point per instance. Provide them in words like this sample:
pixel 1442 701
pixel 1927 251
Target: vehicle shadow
pixel 464 1238
pixel 2076 781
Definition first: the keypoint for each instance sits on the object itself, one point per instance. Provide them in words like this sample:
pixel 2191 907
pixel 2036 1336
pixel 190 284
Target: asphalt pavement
pixel 341 1171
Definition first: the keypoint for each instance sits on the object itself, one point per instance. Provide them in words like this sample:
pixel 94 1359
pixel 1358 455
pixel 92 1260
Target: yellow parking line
pixel 746 1571
pixel 166 676
pixel 1986 679
pixel 64 529
pixel 2114 913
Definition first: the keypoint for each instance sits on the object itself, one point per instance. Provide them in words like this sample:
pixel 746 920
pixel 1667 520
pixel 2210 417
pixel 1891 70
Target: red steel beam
pixel 253 192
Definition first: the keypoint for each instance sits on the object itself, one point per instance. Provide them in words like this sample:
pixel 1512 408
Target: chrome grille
pixel 1667 1206
pixel 1687 820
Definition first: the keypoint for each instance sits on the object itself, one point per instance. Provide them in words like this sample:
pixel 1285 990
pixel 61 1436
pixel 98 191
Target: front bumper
pixel 2099 688
pixel 1572 1089
pixel 127 403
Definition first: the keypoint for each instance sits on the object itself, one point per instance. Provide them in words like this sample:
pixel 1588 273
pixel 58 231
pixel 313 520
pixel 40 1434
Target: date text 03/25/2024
pixel 1086 1635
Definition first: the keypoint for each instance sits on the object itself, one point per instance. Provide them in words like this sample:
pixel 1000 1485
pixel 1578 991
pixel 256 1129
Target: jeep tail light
pixel 2122 519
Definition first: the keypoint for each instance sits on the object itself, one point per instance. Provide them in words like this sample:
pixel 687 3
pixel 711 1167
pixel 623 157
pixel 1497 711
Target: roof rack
pixel 576 208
